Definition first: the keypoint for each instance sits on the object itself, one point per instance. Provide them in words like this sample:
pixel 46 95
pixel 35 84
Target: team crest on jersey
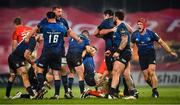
pixel 148 39
pixel 137 40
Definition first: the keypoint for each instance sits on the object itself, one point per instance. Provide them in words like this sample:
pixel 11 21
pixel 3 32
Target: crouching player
pixel 17 60
pixel 99 79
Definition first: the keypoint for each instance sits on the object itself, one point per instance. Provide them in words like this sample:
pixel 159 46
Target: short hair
pixel 143 20
pixel 50 15
pixel 95 48
pixel 109 12
pixel 17 21
pixel 55 7
pixel 83 31
pixel 119 15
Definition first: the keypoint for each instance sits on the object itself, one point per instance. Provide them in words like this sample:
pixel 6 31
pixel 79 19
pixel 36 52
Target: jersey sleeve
pixel 87 42
pixel 32 45
pixel 66 24
pixel 133 38
pixel 102 25
pixel 41 23
pixel 123 31
pixel 155 36
pixel 14 36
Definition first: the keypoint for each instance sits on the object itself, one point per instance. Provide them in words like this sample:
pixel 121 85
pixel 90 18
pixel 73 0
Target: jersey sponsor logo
pixel 122 31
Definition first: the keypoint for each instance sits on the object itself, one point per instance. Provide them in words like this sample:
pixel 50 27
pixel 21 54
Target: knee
pixel 56 75
pixel 12 77
pixel 24 74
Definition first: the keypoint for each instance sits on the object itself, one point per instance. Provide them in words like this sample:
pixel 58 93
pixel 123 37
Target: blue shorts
pixel 50 60
pixel 15 62
pixel 146 60
pixel 124 57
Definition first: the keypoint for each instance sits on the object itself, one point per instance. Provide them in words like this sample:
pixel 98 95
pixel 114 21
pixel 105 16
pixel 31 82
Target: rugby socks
pixel 71 80
pixel 81 86
pixel 30 91
pixel 8 88
pixel 40 78
pixel 149 83
pixel 65 83
pixel 109 82
pixel 112 91
pixel 57 84
pixel 126 92
pixel 33 81
pixel 154 90
pixel 25 96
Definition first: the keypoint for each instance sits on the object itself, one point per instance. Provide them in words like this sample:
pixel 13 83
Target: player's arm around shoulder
pixel 31 33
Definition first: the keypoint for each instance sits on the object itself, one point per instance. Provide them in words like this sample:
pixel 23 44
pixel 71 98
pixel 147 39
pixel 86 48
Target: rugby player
pixel 144 39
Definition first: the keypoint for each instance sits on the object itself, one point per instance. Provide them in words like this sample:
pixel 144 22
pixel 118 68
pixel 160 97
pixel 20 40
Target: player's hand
pixel 99 36
pixel 100 82
pixel 174 54
pixel 79 41
pixel 26 40
pixel 114 29
pixel 116 55
pixel 108 53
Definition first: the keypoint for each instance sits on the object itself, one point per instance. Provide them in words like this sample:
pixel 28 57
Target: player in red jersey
pixel 18 35
pixel 20 32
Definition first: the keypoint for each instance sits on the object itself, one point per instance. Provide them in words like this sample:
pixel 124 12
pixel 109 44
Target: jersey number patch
pixel 53 38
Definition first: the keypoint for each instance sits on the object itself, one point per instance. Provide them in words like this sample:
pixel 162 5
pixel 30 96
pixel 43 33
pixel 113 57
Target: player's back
pixel 89 65
pixel 108 38
pixel 20 49
pixel 21 32
pixel 75 47
pixel 121 30
pixel 53 35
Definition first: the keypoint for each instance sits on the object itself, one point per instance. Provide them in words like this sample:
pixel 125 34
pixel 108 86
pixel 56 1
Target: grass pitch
pixel 168 95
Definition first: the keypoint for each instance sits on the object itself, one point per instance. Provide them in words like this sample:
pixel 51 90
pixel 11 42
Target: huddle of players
pixel 54 28
pixel 113 30
pixel 119 39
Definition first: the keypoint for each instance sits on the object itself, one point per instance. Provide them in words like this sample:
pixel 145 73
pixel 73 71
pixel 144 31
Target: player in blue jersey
pixel 107 23
pixel 89 65
pixel 74 57
pixel 17 60
pixel 106 31
pixel 53 34
pixel 144 39
pixel 120 52
pixel 61 21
